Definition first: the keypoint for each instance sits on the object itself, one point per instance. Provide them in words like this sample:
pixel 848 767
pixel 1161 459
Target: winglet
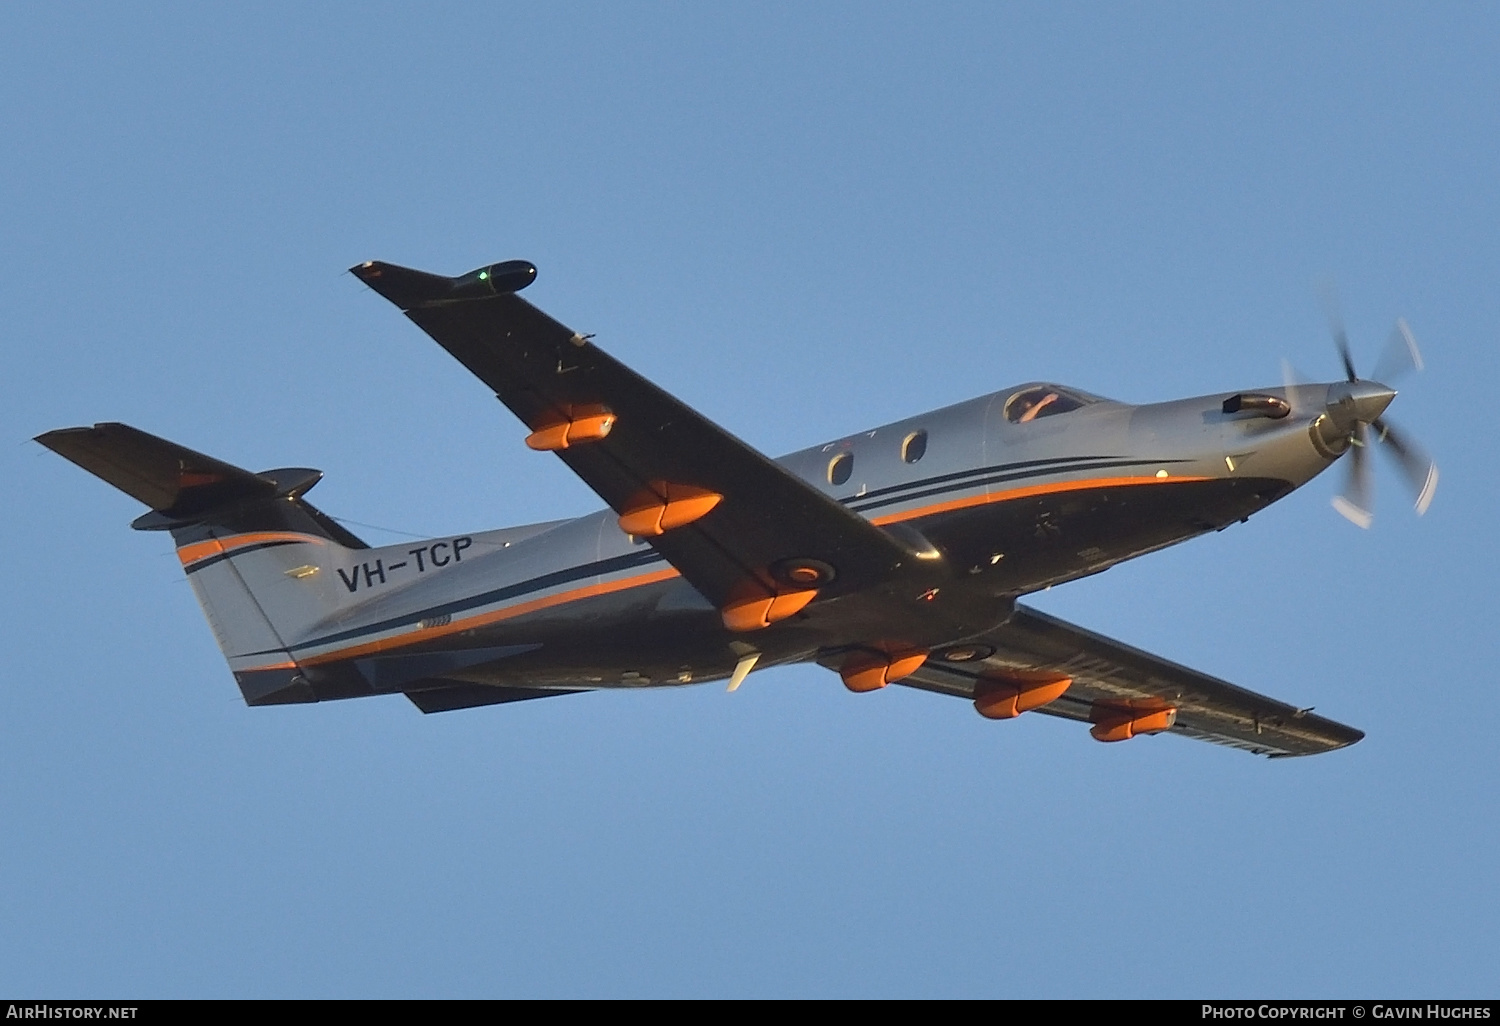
pixel 411 290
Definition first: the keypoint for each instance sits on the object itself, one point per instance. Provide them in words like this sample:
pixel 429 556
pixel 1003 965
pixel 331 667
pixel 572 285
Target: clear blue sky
pixel 805 221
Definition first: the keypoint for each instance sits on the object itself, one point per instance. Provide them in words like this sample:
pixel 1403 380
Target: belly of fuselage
pixel 1026 544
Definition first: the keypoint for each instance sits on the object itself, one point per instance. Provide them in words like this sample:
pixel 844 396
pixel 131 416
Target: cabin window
pixel 915 447
pixel 839 468
pixel 1039 401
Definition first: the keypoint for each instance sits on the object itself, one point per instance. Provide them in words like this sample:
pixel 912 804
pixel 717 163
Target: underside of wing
pixel 742 529
pixel 1122 691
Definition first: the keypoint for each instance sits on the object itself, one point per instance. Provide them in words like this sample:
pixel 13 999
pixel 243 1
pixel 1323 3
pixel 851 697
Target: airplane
pixel 895 555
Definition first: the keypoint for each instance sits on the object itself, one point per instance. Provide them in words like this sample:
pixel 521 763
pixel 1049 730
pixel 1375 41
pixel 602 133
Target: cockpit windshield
pixel 1036 401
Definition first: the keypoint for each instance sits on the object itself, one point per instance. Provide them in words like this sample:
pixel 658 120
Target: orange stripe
pixel 495 616
pixel 214 546
pixel 199 550
pixel 1029 491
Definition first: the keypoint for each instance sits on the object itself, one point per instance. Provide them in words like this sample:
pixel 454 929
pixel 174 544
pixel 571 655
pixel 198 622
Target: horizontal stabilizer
pixel 168 477
pixel 389 673
pixel 469 696
pixel 183 487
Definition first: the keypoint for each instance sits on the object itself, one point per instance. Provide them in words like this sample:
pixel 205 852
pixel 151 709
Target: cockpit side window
pixel 1040 401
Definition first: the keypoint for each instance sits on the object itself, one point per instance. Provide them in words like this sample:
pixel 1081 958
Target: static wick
pixel 742 670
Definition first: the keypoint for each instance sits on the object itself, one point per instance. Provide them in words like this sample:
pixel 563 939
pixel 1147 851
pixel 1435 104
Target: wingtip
pixel 58 439
pixel 410 289
pixel 48 437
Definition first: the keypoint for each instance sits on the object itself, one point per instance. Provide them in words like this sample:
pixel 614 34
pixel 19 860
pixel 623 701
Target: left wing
pixel 1114 686
pixel 732 521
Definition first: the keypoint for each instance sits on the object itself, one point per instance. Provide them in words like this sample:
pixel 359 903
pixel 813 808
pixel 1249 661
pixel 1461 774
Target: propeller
pixel 1356 411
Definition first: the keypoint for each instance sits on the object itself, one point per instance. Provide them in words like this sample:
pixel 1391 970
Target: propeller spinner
pixel 1354 415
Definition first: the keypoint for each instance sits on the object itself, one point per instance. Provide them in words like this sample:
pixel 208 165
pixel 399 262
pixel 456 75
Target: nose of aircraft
pixel 1352 401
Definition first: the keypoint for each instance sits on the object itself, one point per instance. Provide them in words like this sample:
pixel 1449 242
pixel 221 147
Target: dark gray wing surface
pixel 541 369
pixel 451 695
pixel 181 485
pixel 1105 671
pixel 162 474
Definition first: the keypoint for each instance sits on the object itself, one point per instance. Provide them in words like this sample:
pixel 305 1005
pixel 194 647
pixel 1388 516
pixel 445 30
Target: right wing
pixel 1108 677
pixel 762 522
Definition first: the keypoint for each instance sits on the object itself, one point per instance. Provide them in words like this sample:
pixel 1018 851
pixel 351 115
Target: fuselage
pixel 994 498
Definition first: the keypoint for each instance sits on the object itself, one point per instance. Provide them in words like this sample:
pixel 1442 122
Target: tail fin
pixel 252 547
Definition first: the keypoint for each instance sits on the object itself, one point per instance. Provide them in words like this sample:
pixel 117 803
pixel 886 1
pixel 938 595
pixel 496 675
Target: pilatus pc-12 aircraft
pixel 895 555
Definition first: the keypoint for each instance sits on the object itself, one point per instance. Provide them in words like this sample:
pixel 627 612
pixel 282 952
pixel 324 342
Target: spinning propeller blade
pixel 1336 326
pixel 1355 502
pixel 1300 392
pixel 1420 472
pixel 1400 356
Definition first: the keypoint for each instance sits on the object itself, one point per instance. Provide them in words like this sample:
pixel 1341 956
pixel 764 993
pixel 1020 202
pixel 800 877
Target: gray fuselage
pixel 992 508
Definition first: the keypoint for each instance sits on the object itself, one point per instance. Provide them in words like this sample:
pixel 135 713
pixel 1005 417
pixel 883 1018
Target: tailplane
pixel 260 557
pixel 184 487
